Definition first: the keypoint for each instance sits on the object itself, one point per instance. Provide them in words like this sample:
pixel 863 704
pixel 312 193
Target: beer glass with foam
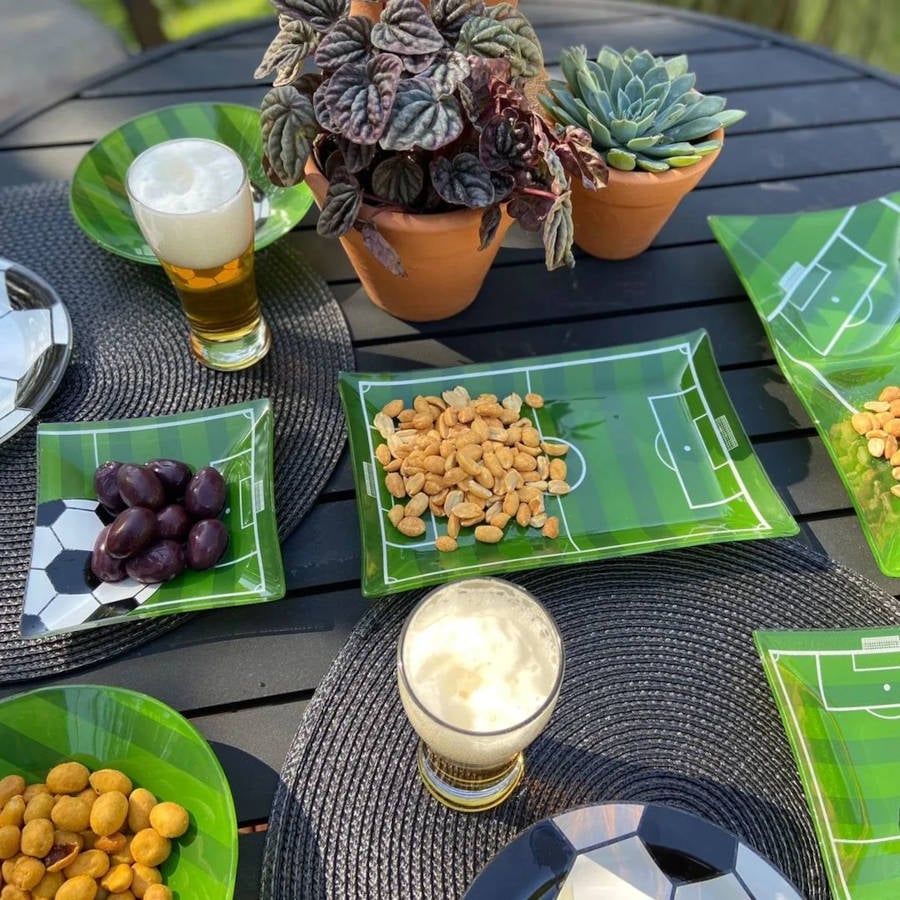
pixel 479 667
pixel 191 198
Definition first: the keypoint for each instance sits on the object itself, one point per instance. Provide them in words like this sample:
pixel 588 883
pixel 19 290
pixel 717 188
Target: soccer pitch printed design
pixel 657 458
pixel 827 288
pixel 838 693
pixel 62 595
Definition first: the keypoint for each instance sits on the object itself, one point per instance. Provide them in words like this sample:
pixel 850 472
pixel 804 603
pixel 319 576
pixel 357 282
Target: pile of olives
pixel 166 519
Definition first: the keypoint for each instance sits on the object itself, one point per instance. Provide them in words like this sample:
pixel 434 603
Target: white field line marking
pixel 831 708
pixel 818 797
pixel 889 204
pixel 154 426
pixel 819 377
pixel 560 504
pixel 761 522
pixel 814 261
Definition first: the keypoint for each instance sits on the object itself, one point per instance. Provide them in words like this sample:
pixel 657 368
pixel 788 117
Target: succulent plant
pixel 642 111
pixel 422 111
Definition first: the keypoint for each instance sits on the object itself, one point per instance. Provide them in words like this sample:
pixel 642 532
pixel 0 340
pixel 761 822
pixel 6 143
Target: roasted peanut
pixel 445 543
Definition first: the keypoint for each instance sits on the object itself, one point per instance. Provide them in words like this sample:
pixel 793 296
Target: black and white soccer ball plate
pixel 61 593
pixel 629 851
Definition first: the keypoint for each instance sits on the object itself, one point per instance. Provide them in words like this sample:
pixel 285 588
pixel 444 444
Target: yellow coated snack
pixel 169 819
pixel 140 802
pixel 105 780
pixel 67 778
pixel 109 813
pixel 84 835
pixel 150 848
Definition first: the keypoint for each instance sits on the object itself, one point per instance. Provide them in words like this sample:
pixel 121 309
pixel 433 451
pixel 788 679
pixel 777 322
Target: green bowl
pixel 107 727
pixel 98 199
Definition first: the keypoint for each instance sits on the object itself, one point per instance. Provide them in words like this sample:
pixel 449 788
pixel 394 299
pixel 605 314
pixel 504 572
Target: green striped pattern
pixel 827 288
pixel 659 459
pixel 98 198
pixel 106 727
pixel 238 441
pixel 838 693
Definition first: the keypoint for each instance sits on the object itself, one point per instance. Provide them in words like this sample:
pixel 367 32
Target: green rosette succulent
pixel 422 111
pixel 641 110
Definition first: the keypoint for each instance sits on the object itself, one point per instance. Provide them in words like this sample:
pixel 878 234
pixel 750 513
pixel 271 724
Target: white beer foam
pixel 191 205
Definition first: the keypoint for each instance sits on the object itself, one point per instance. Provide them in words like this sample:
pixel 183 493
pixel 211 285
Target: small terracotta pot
pixel 370 9
pixel 622 219
pixel 445 269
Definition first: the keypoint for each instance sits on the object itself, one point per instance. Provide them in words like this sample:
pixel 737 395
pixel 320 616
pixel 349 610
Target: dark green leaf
pixel 398 179
pixel 558 234
pixel 447 71
pixel 490 222
pixel 321 14
pixel 420 119
pixel 341 205
pixel 483 36
pixel 450 15
pixel 529 59
pixel 356 156
pixel 381 249
pixel 288 52
pixel 288 124
pixel 320 105
pixel 347 42
pixel 406 29
pixel 417 63
pixel 463 181
pixel 360 97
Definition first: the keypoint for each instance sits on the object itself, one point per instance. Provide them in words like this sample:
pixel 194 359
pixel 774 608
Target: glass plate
pixel 657 459
pixel 61 595
pixel 154 746
pixel 35 344
pixel 838 693
pixel 827 288
pixel 629 850
pixel 100 204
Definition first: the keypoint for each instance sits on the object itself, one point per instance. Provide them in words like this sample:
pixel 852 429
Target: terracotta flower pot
pixel 370 9
pixel 622 219
pixel 445 269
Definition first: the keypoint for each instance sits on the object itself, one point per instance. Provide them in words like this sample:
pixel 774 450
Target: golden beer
pixel 191 198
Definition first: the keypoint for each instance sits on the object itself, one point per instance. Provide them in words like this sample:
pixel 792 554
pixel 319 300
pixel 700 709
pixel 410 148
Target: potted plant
pixel 657 134
pixel 418 142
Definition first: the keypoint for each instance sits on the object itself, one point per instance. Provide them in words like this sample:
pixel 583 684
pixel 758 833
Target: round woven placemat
pixel 664 700
pixel 131 358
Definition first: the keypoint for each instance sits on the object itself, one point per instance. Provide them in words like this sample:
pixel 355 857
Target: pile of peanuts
pixel 476 462
pixel 83 835
pixel 879 423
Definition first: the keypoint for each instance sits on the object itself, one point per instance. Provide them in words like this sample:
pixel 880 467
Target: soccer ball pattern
pixel 632 852
pixel 61 592
pixel 34 335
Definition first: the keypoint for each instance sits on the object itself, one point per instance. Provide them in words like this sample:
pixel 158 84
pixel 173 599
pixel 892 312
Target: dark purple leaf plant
pixel 424 111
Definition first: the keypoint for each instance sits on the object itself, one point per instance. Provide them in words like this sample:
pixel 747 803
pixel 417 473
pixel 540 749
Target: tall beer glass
pixel 479 667
pixel 191 198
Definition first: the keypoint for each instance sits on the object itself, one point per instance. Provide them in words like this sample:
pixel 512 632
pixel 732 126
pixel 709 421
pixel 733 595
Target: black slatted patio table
pixel 821 132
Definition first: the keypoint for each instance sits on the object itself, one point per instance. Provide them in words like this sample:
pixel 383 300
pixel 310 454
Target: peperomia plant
pixel 423 111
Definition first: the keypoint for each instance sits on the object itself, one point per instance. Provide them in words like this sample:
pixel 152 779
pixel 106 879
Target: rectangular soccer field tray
pixel 654 457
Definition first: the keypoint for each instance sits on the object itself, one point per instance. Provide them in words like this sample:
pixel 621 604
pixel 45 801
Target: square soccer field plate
pixel 657 459
pixel 838 693
pixel 826 286
pixel 61 594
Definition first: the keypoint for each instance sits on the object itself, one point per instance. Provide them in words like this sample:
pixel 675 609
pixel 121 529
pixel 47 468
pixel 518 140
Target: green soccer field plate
pixel 657 459
pixel 838 693
pixel 61 594
pixel 98 199
pixel 826 286
pixel 156 747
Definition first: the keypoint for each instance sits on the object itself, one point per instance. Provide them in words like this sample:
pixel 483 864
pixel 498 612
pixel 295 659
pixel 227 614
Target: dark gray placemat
pixel 664 700
pixel 131 358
